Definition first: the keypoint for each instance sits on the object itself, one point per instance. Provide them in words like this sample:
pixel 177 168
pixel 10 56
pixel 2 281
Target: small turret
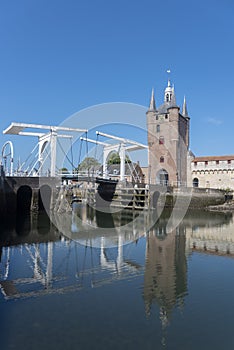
pixel 185 110
pixel 152 106
pixel 168 93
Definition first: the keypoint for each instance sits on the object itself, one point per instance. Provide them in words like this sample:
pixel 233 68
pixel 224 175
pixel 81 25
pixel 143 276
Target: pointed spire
pixel 185 110
pixel 152 106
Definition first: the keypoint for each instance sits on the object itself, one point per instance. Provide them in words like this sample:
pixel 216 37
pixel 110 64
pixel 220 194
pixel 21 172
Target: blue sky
pixel 58 57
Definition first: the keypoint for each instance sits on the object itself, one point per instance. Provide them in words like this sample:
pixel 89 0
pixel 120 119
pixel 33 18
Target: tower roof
pixel 152 106
pixel 185 110
pixel 169 98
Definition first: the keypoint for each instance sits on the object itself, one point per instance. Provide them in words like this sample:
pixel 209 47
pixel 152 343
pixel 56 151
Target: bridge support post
pixel 35 200
pixel 53 141
pixel 122 162
pixel 54 198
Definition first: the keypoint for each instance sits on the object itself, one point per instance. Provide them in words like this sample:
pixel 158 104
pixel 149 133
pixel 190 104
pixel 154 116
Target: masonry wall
pixel 220 179
pixel 213 175
pixel 170 153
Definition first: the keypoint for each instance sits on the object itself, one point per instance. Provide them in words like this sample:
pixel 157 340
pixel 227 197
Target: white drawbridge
pixel 46 149
pixel 46 138
pixel 124 145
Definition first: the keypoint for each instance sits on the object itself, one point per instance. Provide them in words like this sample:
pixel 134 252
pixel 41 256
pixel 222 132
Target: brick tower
pixel 168 140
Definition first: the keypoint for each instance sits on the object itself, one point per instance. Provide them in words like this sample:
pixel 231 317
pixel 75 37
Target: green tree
pixel 115 159
pixel 64 170
pixel 88 163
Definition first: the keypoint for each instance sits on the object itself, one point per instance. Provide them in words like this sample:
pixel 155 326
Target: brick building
pixel 168 140
pixel 170 162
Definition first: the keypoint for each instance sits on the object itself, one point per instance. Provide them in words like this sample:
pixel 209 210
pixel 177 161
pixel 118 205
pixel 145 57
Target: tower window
pixel 166 116
pixel 195 163
pixel 206 162
pixel 158 128
pixel 229 161
pixel 217 162
pixel 167 97
pixel 161 159
pixel 161 140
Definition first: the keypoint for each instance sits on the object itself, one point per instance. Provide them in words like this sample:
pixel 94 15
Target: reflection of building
pixel 165 270
pixel 213 234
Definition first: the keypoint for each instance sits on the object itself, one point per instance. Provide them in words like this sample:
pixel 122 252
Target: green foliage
pixel 115 159
pixel 226 190
pixel 64 170
pixel 88 163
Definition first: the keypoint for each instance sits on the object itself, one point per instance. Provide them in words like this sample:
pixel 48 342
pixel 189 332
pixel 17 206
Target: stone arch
pixel 44 197
pixel 162 177
pixel 24 199
pixel 23 225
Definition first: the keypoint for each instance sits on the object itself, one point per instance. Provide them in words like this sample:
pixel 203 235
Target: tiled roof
pixel 164 107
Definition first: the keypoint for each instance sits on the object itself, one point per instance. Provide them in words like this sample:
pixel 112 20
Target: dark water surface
pixel 67 287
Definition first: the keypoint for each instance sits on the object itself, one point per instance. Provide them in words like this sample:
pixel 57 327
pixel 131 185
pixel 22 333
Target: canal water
pixel 93 280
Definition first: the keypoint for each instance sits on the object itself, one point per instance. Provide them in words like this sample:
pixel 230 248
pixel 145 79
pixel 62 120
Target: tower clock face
pixel 161 117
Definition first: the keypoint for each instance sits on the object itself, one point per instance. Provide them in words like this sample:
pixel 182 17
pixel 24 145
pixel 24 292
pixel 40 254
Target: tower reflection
pixel 165 280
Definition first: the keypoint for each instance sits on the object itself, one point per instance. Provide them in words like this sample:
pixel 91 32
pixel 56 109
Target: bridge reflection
pixel 89 249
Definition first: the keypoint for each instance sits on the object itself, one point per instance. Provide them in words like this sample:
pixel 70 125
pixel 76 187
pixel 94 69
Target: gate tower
pixel 168 140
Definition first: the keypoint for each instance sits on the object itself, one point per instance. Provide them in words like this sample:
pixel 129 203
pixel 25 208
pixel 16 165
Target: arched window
pixel 24 199
pixel 158 128
pixel 161 159
pixel 195 182
pixel 162 177
pixel 161 140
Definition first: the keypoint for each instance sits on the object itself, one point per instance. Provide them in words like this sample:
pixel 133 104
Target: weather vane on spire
pixel 169 81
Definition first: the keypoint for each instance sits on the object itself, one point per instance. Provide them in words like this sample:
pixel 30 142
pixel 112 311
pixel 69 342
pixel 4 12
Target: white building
pixel 213 172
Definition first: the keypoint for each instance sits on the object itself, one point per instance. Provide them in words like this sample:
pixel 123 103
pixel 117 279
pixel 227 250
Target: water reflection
pixel 211 233
pixel 165 281
pixel 88 226
pixel 98 281
pixel 37 258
